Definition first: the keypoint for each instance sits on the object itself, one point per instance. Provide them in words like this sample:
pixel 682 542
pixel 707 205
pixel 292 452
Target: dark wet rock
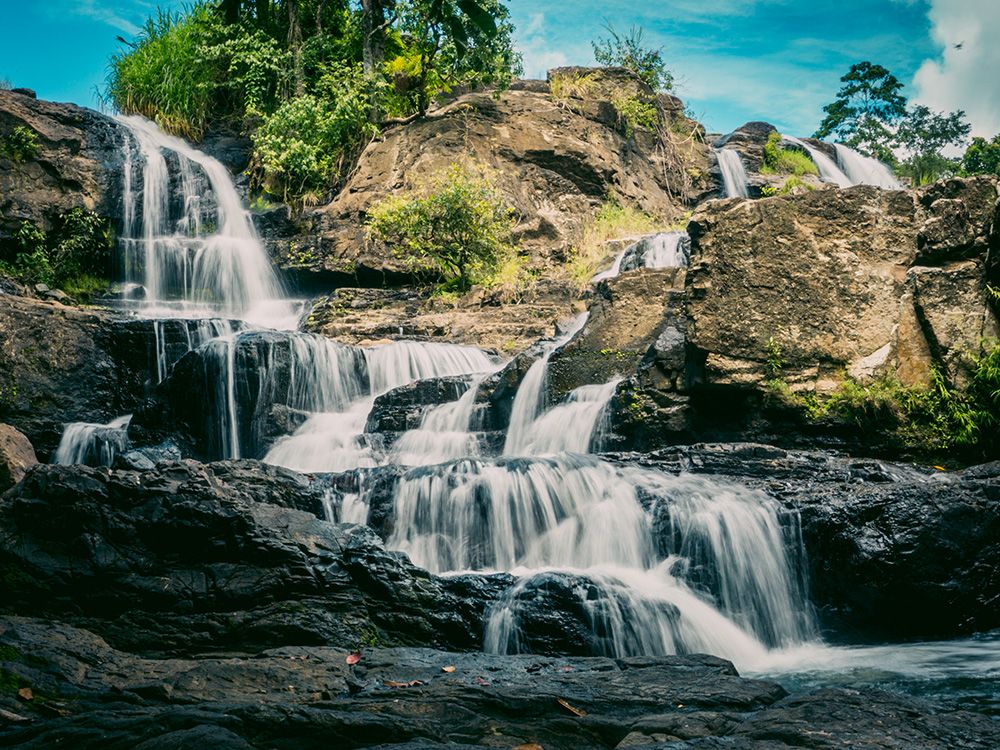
pixel 91 696
pixel 403 408
pixel 191 558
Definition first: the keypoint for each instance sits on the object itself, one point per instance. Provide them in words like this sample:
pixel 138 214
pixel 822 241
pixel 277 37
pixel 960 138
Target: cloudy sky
pixel 734 60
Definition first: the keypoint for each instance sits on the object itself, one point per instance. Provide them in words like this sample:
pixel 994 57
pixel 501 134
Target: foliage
pixel 982 157
pixel 75 254
pixel 627 51
pixel 867 106
pixel 778 160
pixel 937 421
pixel 456 224
pixel 613 220
pixel 922 134
pixel 20 144
pixel 303 146
pixel 636 114
pixel 566 86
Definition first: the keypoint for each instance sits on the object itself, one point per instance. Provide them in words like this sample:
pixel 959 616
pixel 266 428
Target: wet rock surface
pixel 191 558
pixel 89 695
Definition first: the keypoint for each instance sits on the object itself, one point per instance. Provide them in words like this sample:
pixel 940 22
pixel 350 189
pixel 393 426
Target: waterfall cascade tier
pixel 189 246
pixel 92 444
pixel 734 174
pixel 828 169
pixel 863 170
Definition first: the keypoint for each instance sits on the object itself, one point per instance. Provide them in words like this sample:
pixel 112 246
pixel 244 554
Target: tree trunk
pixel 295 45
pixel 373 34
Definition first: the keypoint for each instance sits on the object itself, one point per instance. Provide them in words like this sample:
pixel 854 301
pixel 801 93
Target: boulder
pixel 189 558
pixel 16 456
pixel 78 163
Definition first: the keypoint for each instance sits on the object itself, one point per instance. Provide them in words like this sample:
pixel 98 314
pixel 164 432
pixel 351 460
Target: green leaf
pixel 479 16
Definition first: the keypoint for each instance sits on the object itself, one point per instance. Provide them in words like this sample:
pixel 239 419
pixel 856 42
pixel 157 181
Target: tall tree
pixel 373 26
pixel 867 106
pixel 923 135
pixel 295 47
pixel 231 11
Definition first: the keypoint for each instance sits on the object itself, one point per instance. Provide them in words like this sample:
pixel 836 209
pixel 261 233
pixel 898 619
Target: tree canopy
pixel 867 106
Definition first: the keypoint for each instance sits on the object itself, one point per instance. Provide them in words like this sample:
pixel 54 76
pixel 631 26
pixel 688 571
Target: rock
pixel 556 160
pixel 78 164
pixel 16 457
pixel 189 558
pixel 400 698
pixel 60 365
pixel 403 408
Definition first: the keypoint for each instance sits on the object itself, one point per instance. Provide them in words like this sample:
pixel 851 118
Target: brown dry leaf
pixel 481 681
pixel 25 694
pixel 529 746
pixel 567 669
pixel 395 683
pixel 414 683
pixel 940 468
pixel 448 669
pixel 353 658
pixel 572 709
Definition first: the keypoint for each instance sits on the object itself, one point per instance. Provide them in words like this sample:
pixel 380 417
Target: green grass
pixel 778 160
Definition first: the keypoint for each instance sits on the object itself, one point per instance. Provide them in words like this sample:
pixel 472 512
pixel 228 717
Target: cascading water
pixel 568 426
pixel 828 169
pixel 92 444
pixel 529 401
pixel 188 243
pixel 444 433
pixel 863 170
pixel 662 250
pixel 734 174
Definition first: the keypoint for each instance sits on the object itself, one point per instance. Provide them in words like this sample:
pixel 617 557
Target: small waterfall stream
pixel 734 174
pixel 863 170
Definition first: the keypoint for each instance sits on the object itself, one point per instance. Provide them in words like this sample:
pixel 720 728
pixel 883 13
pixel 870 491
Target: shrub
pixel 76 254
pixel 627 50
pixel 303 146
pixel 455 224
pixel 20 144
pixel 635 113
pixel 778 160
pixel 566 86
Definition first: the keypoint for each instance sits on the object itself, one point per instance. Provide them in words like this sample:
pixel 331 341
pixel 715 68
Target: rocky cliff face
pixel 78 163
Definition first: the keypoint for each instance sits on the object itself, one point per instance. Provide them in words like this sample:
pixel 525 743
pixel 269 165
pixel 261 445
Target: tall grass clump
pixel 778 160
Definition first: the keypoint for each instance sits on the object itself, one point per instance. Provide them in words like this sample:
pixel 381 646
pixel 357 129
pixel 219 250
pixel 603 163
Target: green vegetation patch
pixel 20 144
pixel 779 160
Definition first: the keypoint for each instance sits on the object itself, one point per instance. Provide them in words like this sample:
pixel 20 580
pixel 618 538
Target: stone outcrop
pixel 191 558
pixel 78 163
pixel 16 456
pixel 88 695
pixel 60 364
pixel 557 152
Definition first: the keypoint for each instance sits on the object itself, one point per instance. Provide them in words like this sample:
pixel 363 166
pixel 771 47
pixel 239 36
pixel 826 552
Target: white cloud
pixel 122 16
pixel 967 75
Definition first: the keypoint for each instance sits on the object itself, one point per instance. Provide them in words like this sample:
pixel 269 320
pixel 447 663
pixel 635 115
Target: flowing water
pixel 734 174
pixel 828 169
pixel 635 561
pixel 863 170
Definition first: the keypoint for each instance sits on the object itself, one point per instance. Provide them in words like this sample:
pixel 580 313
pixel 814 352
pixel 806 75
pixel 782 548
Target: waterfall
pixel 828 169
pixel 92 444
pixel 734 174
pixel 612 271
pixel 332 439
pixel 570 426
pixel 863 170
pixel 194 333
pixel 444 433
pixel 187 240
pixel 661 250
pixel 529 401
pixel 726 580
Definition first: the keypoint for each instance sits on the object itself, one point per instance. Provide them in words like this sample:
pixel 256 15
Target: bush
pixel 778 160
pixel 627 51
pixel 20 144
pixel 302 148
pixel 456 224
pixel 635 113
pixel 76 254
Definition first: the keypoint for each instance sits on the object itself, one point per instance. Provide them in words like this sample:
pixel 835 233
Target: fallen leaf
pixel 353 658
pixel 448 669
pixel 398 684
pixel 572 709
pixel 529 746
pixel 567 669
pixel 25 694
pixel 940 468
pixel 481 681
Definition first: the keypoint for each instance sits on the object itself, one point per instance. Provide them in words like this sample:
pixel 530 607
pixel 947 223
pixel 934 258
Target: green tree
pixel 982 157
pixel 867 107
pixel 627 51
pixel 923 135
pixel 456 223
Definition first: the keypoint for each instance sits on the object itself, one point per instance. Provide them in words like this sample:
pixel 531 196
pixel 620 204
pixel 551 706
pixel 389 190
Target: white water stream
pixel 734 174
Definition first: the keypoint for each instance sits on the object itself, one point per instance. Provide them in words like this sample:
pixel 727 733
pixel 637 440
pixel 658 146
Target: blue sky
pixel 734 60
